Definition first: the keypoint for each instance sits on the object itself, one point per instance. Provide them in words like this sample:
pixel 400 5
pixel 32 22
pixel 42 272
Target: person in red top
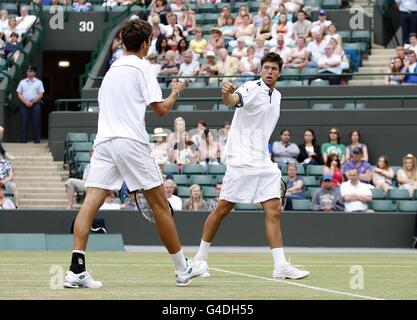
pixel 333 167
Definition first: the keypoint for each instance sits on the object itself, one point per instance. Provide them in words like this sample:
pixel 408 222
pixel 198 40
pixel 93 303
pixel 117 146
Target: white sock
pixel 79 251
pixel 202 253
pixel 279 257
pixel 179 261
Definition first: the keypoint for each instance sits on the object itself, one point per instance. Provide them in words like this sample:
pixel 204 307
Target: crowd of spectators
pixel 234 46
pixel 403 67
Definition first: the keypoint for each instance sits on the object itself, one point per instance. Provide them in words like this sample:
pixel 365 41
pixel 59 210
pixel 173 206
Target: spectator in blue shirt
pixel 411 67
pixel 363 167
pixel 30 92
pixel 81 6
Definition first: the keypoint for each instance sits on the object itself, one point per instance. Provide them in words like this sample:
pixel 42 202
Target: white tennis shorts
pixel 120 159
pixel 244 185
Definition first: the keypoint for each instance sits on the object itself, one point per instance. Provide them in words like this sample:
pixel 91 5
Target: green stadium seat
pixel 316 170
pixel 309 74
pixel 289 74
pixel 310 192
pixel 79 147
pixel 219 178
pixel 180 179
pixel 361 36
pixel 171 168
pixel 353 106
pixel 10 7
pixel 80 170
pixel 196 85
pixel 209 192
pixel 207 26
pixel 377 194
pixel 75 137
pixel 285 178
pixel 331 4
pixel 301 205
pixel 92 137
pixel 319 83
pixel 186 107
pixel 300 169
pixel 221 107
pixel 415 195
pixel 310 181
pixel 211 18
pixel 207 7
pixel 203 180
pixel 295 83
pixel 383 206
pixel 247 207
pixel 193 169
pixel 216 169
pixel 199 18
pixel 346 35
pixel 254 6
pixel 9 191
pixel 395 169
pixel 282 83
pixel 312 3
pixel 322 106
pixel 183 192
pixel 407 206
pixel 398 194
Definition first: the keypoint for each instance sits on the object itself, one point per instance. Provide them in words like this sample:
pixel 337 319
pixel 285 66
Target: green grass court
pixel 26 275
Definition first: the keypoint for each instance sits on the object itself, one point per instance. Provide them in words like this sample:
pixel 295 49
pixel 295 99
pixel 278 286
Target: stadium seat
pixel 92 137
pixel 312 3
pixel 171 168
pixel 247 207
pixel 209 192
pixel 383 206
pixel 346 35
pixel 219 178
pixel 353 106
pixel 407 206
pixel 183 192
pixel 284 177
pixel 289 74
pixel 415 195
pixel 361 36
pixel 377 194
pixel 180 179
pixel 398 194
pixel 310 181
pixel 186 107
pixel 221 107
pixel 79 172
pixel 9 191
pixel 211 18
pixel 10 7
pixel 193 169
pixel 216 169
pixel 322 106
pixel 316 170
pixel 295 83
pixel 300 170
pixel 319 83
pixel 310 192
pixel 309 74
pixel 301 205
pixel 207 26
pixel 194 85
pixel 282 83
pixel 202 180
pixel 331 4
pixel 75 137
pixel 199 18
pixel 207 7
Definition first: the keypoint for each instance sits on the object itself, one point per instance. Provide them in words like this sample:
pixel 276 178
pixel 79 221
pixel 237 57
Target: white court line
pixel 297 284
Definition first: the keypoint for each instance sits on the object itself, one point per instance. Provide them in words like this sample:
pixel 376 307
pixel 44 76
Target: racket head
pixel 144 208
pixel 283 193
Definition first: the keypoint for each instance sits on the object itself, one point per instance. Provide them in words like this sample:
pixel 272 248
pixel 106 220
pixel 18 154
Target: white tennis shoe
pixel 288 271
pixel 81 280
pixel 194 269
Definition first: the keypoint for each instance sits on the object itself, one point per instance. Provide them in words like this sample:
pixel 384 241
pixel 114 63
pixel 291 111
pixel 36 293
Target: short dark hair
pixel 273 57
pixel 412 35
pixel 134 33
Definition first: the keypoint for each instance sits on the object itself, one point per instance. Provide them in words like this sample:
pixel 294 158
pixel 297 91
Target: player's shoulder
pixel 253 85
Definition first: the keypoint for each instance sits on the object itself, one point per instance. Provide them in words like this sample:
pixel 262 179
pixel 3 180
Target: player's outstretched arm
pixel 229 97
pixel 162 108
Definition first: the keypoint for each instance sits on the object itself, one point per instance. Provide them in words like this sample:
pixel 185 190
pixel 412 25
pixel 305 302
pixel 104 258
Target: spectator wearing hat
pixel 30 92
pixel 328 197
pixel 407 175
pixel 363 167
pixel 216 42
pixel 321 24
pixel 355 194
pixel 209 68
pixel 5 203
pixel 160 148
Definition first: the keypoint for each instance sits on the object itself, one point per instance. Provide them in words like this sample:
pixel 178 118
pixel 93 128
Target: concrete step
pixel 383 52
pixel 29 203
pixel 386 59
pixel 42 175
pixel 34 162
pixel 44 206
pixel 51 167
pixel 29 158
pixel 377 64
pixel 46 190
pixel 42 196
pixel 40 184
pixel 33 154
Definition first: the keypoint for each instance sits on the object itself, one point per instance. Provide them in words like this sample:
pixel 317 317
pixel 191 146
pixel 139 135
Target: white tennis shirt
pixel 127 89
pixel 253 122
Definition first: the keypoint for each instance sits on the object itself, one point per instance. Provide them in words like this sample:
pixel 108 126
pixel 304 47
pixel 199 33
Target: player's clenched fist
pixel 178 86
pixel 228 88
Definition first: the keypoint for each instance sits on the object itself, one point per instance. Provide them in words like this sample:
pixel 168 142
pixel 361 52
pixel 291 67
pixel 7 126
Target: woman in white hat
pixel 160 148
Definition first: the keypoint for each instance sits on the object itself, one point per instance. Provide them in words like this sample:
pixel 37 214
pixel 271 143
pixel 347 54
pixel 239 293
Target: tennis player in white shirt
pixel 122 153
pixel 251 176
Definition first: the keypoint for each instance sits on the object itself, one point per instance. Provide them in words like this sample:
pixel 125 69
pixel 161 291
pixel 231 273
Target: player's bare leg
pixel 78 277
pixel 94 199
pixel 282 269
pixel 211 226
pixel 185 270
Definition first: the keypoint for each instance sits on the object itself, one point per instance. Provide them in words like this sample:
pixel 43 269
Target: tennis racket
pixel 144 208
pixel 283 193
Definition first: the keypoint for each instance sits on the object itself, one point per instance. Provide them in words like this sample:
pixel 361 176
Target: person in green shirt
pixel 334 146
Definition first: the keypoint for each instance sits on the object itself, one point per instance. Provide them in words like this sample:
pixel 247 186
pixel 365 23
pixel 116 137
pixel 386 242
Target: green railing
pixel 26 39
pixel 84 104
pixel 115 21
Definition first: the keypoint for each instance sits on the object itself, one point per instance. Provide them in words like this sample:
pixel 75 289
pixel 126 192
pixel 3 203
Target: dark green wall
pixel 300 229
